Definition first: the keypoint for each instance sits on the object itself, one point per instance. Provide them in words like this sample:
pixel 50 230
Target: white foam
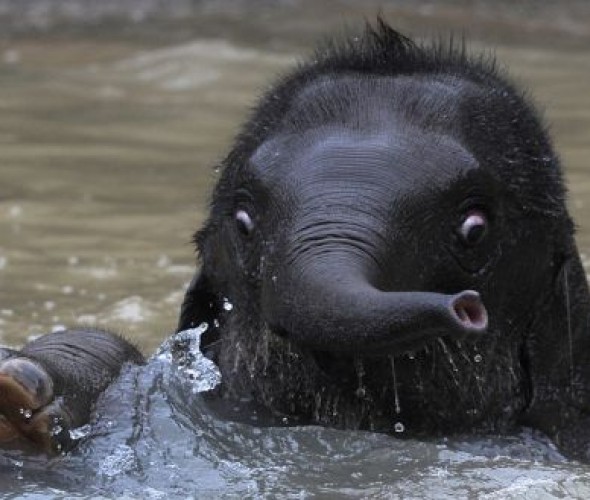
pixel 99 273
pixel 119 461
pixel 189 66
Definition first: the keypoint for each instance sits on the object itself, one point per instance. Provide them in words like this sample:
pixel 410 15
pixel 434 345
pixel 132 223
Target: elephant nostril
pixel 469 311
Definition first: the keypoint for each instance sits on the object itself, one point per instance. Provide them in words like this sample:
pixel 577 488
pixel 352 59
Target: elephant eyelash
pixel 476 202
pixel 243 194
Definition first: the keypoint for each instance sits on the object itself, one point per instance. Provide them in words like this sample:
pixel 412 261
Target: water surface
pixel 107 155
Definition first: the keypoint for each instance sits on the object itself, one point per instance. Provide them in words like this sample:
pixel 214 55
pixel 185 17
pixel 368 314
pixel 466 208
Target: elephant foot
pixel 29 413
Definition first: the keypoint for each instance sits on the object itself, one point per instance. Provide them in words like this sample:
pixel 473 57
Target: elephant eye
pixel 244 222
pixel 474 228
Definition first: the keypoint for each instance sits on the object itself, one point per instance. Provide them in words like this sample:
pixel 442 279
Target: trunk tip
pixel 469 311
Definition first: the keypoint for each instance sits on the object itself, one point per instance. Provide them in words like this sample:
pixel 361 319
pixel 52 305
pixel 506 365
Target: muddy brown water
pixel 107 155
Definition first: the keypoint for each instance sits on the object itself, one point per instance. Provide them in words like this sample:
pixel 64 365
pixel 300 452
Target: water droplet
pixel 398 408
pixel 399 427
pixel 80 432
pixel 25 412
pixel 478 358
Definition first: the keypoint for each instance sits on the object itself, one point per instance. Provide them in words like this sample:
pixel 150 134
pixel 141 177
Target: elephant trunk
pixel 334 307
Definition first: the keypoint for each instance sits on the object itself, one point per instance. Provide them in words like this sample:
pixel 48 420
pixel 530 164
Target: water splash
pixel 398 408
pixel 56 430
pixel 448 355
pixel 121 460
pixel 398 427
pixel 183 352
pixel 80 432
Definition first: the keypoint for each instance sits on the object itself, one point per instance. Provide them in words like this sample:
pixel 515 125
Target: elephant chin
pixel 361 319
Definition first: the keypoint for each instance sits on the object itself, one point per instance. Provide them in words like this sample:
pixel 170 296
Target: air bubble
pixel 399 427
pixel 478 358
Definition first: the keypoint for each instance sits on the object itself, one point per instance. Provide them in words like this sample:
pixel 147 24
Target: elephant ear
pixel 201 304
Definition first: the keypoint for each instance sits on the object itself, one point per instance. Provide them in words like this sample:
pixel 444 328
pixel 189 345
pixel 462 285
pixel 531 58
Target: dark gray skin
pixel 51 384
pixel 391 230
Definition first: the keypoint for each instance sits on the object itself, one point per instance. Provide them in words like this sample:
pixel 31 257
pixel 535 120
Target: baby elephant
pixel 388 248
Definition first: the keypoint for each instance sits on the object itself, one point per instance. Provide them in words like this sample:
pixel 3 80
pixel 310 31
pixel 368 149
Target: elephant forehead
pixel 336 158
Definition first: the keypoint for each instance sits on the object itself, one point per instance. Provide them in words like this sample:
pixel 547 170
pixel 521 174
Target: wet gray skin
pixel 128 438
pixel 378 203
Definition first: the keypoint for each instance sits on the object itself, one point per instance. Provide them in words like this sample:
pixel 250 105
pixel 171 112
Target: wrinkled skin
pixel 50 386
pixel 390 228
